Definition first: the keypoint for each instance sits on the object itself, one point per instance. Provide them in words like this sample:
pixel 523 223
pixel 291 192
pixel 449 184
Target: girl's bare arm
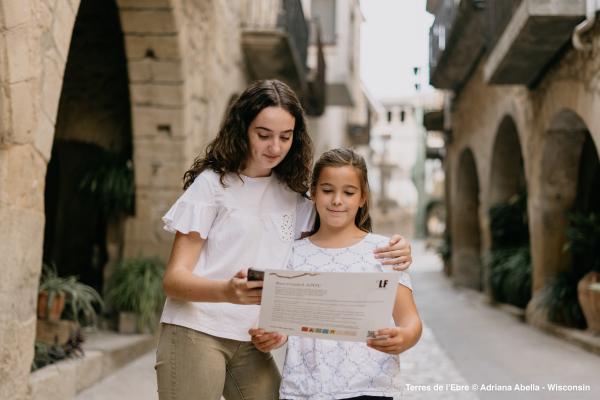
pixel 407 331
pixel 180 283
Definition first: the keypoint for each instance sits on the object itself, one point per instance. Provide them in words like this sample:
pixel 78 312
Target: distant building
pixel 345 118
pixel 398 164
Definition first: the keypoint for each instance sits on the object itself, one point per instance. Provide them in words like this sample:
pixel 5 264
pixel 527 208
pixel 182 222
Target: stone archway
pixel 507 174
pixel 35 40
pixel 466 233
pixel 92 138
pixel 507 221
pixel 557 182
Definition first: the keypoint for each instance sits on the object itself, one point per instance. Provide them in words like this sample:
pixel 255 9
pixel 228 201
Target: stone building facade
pixel 524 115
pixel 149 78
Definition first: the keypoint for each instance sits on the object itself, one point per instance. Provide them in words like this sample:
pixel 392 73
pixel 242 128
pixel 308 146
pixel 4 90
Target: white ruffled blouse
pixel 249 223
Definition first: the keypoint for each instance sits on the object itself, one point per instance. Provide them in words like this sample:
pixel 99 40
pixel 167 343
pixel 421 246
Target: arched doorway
pixel 466 234
pixel 89 185
pixel 508 270
pixel 569 191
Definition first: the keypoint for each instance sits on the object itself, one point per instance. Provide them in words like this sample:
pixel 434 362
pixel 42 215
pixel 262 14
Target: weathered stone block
pixel 21 246
pixel 44 136
pixel 170 95
pixel 164 149
pixel 156 46
pixel 16 353
pixel 51 82
pixel 153 121
pixel 147 21
pixel 22 178
pixel 16 13
pixel 23 112
pixel 137 4
pixel 55 382
pixel 62 27
pixel 149 70
pixel 90 369
pixel 19 52
pixel 154 172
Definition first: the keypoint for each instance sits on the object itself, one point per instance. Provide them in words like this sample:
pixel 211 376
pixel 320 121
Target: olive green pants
pixel 192 365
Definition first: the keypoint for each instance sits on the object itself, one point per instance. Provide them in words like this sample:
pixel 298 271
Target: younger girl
pixel 341 241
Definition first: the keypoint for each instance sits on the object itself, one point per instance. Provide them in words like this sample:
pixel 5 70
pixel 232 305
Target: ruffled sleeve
pixel 195 211
pixel 305 216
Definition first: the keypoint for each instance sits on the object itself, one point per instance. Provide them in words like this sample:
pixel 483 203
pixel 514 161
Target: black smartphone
pixel 255 274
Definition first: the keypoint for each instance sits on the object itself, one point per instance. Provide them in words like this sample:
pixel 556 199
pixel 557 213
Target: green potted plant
pixel 64 304
pixel 509 260
pixel 135 289
pixel 559 299
pixel 51 294
pixel 511 275
pixel 583 235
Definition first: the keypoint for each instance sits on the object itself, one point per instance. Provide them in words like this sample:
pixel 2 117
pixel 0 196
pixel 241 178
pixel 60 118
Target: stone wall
pixel 184 63
pixel 549 120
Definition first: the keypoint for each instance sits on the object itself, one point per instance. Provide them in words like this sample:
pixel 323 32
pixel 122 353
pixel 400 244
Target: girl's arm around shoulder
pixel 407 331
pixel 179 281
pixel 396 253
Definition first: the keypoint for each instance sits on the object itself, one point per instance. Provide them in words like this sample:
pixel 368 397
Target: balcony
pixel 525 36
pixel 435 147
pixel 275 41
pixel 433 120
pixel 456 41
pixel 316 99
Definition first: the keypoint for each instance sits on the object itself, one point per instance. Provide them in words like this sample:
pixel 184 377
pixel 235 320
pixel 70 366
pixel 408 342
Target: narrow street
pixel 465 343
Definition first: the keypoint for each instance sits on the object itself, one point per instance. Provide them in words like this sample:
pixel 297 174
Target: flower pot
pixel 590 300
pixel 53 311
pixel 127 322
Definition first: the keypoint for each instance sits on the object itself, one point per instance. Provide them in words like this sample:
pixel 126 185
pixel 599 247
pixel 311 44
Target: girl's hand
pixel 267 341
pixel 394 344
pixel 397 253
pixel 239 291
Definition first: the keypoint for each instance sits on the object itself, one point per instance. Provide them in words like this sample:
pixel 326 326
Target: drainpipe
pixel 591 7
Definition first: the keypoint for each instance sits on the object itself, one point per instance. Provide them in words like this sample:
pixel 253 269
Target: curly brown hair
pixel 340 158
pixel 229 151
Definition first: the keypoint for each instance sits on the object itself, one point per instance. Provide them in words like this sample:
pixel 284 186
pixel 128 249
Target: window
pixel 323 12
pixel 389 116
pixel 402 115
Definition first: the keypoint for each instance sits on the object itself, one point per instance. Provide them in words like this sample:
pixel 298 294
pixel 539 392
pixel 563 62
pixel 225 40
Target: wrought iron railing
pixel 285 16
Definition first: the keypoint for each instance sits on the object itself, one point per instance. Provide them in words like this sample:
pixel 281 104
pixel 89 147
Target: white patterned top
pixel 318 369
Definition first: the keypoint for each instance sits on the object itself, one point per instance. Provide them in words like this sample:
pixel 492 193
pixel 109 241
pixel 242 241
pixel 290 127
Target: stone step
pixel 105 352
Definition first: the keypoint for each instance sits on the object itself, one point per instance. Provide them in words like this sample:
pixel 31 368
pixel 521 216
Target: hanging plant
pixel 111 182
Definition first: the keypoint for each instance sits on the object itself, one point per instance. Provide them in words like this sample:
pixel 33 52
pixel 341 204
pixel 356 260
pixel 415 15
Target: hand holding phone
pixel 255 274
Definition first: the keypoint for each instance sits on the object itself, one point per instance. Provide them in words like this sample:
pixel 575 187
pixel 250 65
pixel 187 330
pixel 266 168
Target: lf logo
pixel 383 283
